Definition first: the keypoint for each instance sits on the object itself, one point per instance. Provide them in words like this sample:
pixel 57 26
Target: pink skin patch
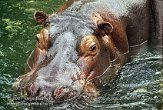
pixel 59 91
pixel 33 89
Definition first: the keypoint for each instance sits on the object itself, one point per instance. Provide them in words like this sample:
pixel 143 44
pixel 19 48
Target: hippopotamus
pixel 83 45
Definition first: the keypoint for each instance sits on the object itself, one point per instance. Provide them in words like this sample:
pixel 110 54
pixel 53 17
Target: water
pixel 139 85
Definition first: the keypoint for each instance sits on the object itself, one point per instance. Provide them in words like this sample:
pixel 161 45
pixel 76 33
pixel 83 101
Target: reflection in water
pixel 139 85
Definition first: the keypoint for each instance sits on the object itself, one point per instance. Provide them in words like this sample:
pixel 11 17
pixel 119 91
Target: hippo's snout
pixel 45 89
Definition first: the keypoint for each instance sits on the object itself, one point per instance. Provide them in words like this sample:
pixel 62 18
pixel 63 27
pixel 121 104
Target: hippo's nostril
pixel 64 94
pixel 58 91
pixel 33 89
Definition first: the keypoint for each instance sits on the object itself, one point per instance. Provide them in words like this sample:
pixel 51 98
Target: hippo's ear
pixel 40 17
pixel 104 28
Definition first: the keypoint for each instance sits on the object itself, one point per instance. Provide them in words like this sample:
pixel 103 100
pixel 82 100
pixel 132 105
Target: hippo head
pixel 71 53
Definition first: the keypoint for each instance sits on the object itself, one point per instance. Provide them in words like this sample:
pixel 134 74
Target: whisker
pixel 28 60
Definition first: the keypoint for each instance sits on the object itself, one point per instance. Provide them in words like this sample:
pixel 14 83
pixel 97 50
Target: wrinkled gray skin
pixel 53 75
pixel 64 64
pixel 57 68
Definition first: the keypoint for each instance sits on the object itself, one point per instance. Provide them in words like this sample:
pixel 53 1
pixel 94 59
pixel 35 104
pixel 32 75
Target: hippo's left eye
pixel 89 46
pixel 93 47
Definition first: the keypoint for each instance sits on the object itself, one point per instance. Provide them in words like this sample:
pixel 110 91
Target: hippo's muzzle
pixel 57 91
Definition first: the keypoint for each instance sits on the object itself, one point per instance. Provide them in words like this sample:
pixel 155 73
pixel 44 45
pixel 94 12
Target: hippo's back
pixel 134 14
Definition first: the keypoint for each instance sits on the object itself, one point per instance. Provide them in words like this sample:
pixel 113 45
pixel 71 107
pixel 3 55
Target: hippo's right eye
pixel 43 40
pixel 37 37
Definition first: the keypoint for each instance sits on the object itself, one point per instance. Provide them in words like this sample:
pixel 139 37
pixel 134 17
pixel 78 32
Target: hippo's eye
pixel 37 37
pixel 92 48
pixel 89 46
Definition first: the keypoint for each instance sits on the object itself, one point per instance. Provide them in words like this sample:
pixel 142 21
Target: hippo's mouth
pixel 80 90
